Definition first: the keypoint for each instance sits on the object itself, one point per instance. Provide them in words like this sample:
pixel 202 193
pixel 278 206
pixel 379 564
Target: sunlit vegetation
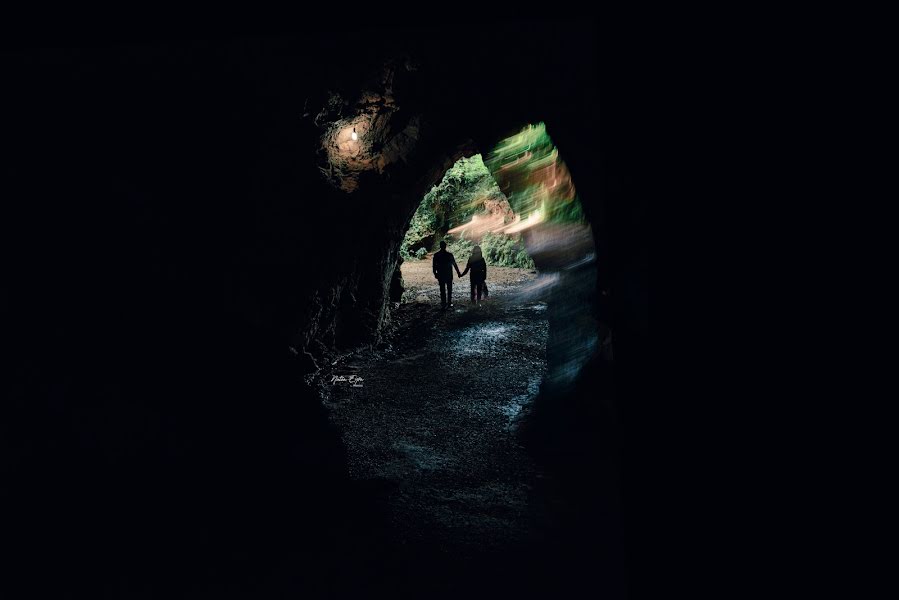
pixel 466 189
pixel 498 249
pixel 528 167
pixel 463 191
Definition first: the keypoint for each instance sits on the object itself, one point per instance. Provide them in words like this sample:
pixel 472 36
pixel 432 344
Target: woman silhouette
pixel 478 267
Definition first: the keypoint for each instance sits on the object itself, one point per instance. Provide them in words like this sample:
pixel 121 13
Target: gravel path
pixel 432 420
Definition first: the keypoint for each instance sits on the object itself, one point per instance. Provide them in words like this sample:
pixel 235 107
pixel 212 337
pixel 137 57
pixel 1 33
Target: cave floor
pixel 421 287
pixel 430 421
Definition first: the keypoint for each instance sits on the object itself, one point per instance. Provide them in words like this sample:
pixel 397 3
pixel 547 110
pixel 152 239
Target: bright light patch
pixel 536 181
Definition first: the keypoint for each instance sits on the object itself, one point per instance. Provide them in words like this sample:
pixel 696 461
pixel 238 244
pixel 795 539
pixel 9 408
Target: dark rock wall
pixel 173 222
pixel 216 156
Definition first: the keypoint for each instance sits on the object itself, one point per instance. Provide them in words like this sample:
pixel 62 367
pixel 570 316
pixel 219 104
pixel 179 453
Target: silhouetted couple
pixel 445 262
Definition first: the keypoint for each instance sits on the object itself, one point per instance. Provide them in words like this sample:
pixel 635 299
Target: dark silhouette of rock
pixel 172 225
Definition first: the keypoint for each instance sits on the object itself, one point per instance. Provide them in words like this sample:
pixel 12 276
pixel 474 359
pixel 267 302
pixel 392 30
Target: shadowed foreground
pixel 431 424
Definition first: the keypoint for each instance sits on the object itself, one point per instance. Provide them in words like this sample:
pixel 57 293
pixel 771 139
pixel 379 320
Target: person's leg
pixel 449 293
pixel 473 286
pixel 443 293
pixel 480 290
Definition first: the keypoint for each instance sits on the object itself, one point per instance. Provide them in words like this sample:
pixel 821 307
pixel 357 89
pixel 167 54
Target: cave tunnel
pixel 535 220
pixel 207 328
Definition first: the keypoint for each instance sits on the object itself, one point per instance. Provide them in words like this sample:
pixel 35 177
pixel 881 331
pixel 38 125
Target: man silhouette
pixel 443 265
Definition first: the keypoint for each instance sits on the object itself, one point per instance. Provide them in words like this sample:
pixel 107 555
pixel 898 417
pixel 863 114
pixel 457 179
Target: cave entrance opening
pixel 519 204
pixel 439 406
pixel 467 210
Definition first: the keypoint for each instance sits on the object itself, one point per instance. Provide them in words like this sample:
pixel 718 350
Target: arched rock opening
pixel 399 152
pixel 173 226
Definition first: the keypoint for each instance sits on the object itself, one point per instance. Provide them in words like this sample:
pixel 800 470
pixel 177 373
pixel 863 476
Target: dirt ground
pixel 435 420
pixel 430 421
pixel 422 287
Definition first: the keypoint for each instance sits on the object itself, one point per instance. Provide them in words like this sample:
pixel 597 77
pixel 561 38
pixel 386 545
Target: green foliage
pixel 498 249
pixel 453 201
pixel 460 247
pixel 522 163
pixel 506 251
pixel 424 225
